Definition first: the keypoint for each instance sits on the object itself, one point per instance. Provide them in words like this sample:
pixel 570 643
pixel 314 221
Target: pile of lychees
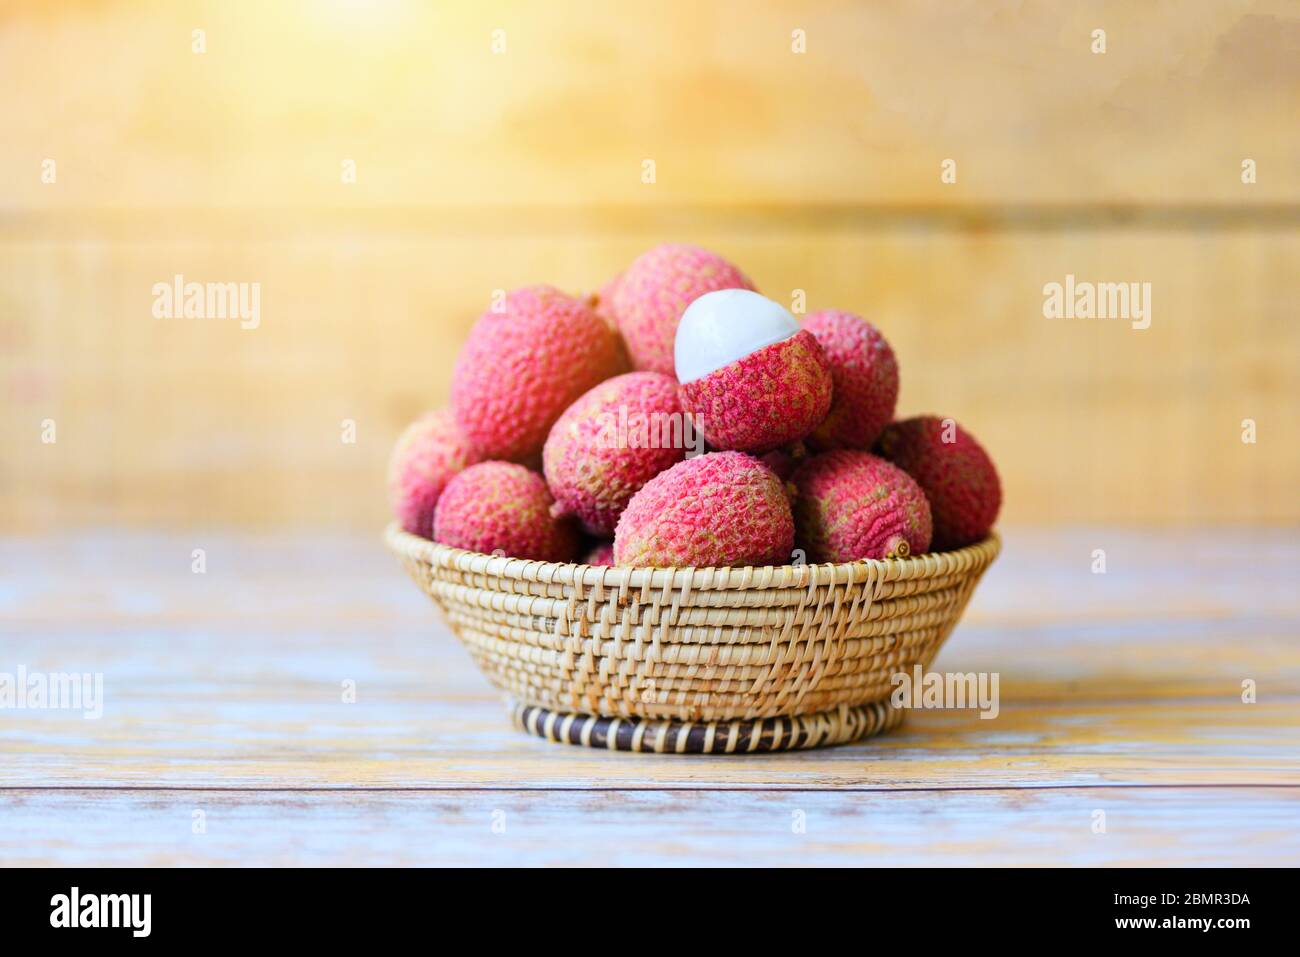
pixel 738 437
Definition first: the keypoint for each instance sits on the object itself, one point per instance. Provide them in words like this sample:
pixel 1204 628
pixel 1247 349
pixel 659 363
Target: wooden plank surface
pixel 603 828
pixel 576 96
pixel 479 170
pixel 1120 692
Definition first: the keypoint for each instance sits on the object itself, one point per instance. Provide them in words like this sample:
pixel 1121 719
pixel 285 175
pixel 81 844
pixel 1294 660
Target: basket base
pixel 708 737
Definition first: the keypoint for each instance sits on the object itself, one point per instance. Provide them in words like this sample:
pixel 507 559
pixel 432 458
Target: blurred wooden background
pixel 479 169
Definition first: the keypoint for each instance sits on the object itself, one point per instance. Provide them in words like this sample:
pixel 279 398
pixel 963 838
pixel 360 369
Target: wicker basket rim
pixel 928 565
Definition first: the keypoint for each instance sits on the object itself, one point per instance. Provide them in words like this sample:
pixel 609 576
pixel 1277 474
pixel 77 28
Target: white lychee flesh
pixel 722 327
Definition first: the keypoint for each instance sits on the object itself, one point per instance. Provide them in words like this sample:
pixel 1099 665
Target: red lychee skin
pixel 714 510
pixel 852 505
pixel 602 553
pixel 427 455
pixel 503 508
pixel 521 368
pixel 601 301
pixel 958 476
pixel 649 298
pixel 771 397
pixel 865 374
pixel 603 448
pixel 783 461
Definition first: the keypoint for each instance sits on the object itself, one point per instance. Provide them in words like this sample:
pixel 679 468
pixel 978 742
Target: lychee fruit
pixel 610 442
pixel 752 379
pixel 427 455
pixel 602 302
pixel 865 376
pixel 524 365
pixel 650 296
pixel 503 508
pixel 602 553
pixel 784 461
pixel 852 505
pixel 718 509
pixel 954 470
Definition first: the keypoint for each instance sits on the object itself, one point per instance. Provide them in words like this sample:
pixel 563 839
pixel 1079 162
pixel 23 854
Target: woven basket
pixel 703 660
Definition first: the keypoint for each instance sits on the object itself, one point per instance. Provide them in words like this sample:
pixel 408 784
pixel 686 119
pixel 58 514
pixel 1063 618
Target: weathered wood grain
pixel 1231 826
pixel 816 171
pixel 1119 692
pixel 234 677
pixel 581 94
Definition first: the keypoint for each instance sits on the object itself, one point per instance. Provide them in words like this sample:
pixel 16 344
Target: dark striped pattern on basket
pixel 709 737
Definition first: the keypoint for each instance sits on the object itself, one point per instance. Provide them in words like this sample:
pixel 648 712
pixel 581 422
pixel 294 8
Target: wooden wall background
pixel 479 170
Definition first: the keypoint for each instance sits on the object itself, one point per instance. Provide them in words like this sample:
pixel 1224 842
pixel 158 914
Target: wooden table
pixel 225 737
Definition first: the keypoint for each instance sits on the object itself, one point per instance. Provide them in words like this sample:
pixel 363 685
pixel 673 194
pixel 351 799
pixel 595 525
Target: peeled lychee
pixel 650 296
pixel 752 379
pixel 503 508
pixel 723 508
pixel 426 457
pixel 610 442
pixel 602 553
pixel 852 505
pixel 954 470
pixel 865 374
pixel 523 366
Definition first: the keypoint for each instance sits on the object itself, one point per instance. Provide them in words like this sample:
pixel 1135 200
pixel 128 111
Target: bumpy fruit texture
pixel 602 302
pixel 784 461
pixel 427 455
pixel 500 507
pixel 954 470
pixel 865 374
pixel 719 509
pixel 648 299
pixel 771 397
pixel 522 367
pixel 852 505
pixel 609 443
pixel 602 553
